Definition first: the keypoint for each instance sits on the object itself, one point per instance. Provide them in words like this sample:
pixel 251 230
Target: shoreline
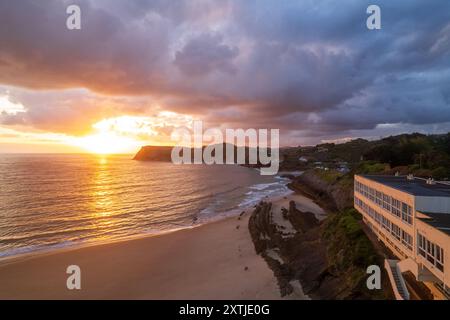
pixel 215 260
pixel 59 248
pixel 31 251
pixel 196 263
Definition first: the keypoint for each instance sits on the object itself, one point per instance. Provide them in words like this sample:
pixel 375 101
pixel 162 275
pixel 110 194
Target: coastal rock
pixel 164 153
pixel 334 195
pixel 299 256
pixel 154 153
pixel 304 256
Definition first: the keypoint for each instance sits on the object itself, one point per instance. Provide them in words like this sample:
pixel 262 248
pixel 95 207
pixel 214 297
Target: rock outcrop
pixel 164 153
pixel 334 195
pixel 154 153
pixel 327 260
pixel 296 257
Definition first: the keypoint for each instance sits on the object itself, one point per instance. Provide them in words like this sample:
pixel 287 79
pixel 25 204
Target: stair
pixel 396 279
pixel 398 283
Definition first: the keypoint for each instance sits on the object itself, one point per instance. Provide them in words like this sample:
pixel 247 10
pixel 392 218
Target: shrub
pixel 440 173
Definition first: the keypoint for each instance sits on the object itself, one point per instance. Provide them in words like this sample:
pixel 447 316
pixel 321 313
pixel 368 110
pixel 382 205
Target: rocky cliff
pixel 333 190
pixel 329 258
pixel 154 153
pixel 163 153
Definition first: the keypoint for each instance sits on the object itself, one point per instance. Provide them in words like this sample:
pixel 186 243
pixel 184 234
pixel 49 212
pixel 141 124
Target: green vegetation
pixel 346 231
pixel 371 167
pixel 441 173
pixel 419 154
pixel 329 176
pixel 427 156
pixel 349 251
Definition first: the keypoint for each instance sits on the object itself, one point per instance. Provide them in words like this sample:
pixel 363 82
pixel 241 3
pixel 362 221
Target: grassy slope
pixel 349 251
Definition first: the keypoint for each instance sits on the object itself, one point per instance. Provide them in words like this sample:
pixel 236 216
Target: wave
pixel 256 193
pixel 118 199
pixel 263 186
pixel 38 248
pixel 265 192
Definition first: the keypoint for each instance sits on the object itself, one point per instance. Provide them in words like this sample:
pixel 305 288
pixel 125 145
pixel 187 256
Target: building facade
pixel 411 216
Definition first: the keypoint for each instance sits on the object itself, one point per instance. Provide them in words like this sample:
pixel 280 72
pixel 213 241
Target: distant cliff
pixel 154 153
pixel 163 153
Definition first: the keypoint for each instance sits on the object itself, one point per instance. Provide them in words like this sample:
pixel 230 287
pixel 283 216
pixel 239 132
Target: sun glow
pixel 125 134
pixel 117 135
pixel 10 108
pixel 107 143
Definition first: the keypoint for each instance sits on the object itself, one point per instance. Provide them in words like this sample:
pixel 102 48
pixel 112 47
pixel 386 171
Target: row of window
pixel 388 203
pixel 431 251
pixel 397 232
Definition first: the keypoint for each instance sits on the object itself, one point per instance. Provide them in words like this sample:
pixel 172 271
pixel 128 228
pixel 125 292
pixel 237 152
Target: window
pixel 407 240
pixel 379 198
pixel 400 210
pixel 372 194
pixel 378 218
pixel 395 231
pixel 396 205
pixel 366 191
pixel 406 213
pixel 433 253
pixel 386 202
pixel 385 223
pixel 421 245
pixel 439 258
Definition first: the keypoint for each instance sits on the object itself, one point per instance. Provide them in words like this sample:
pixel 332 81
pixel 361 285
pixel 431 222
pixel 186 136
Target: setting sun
pixel 107 143
pixel 125 134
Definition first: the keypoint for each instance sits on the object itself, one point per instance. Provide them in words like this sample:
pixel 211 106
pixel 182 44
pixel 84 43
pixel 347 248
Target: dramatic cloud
pixel 310 68
pixel 205 54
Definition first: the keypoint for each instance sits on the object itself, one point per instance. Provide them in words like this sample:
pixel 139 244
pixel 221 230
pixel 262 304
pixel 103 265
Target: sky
pixel 137 69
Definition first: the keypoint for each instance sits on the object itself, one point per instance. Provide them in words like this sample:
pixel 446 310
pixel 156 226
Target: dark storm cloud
pixel 204 54
pixel 311 68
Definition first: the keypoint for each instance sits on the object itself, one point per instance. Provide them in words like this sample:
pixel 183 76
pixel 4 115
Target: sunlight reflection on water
pixel 47 200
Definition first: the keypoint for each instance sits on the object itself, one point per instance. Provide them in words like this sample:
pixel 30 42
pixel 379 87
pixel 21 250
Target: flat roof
pixel 416 186
pixel 440 221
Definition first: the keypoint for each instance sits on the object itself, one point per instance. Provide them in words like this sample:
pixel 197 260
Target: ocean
pixel 54 200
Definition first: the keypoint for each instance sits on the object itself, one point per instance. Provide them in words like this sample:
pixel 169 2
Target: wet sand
pixel 213 261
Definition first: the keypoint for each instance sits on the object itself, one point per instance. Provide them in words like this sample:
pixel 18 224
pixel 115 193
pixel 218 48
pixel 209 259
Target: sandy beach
pixel 212 261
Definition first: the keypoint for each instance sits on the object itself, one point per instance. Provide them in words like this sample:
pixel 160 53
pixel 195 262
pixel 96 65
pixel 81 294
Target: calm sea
pixel 51 201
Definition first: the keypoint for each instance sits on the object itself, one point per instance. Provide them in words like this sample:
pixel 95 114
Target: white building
pixel 411 216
